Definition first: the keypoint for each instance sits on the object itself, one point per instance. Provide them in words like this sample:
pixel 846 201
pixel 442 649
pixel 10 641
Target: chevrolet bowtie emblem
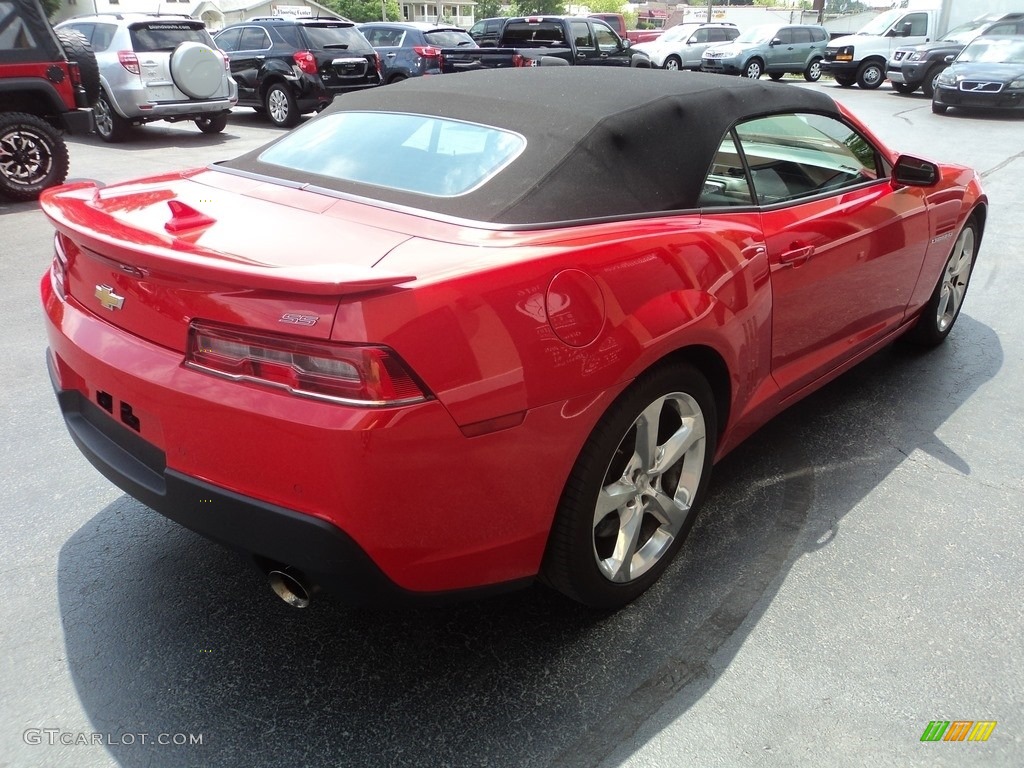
pixel 109 299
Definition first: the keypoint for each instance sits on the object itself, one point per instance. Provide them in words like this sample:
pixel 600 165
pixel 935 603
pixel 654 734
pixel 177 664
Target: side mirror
pixel 775 41
pixel 913 172
pixel 626 43
pixel 907 29
pixel 950 58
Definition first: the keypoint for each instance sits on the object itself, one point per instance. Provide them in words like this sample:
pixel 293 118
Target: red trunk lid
pixel 150 257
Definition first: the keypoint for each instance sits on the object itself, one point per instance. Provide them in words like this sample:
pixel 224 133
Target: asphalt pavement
pixel 853 577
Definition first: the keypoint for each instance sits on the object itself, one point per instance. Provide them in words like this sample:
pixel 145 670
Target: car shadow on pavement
pixel 170 635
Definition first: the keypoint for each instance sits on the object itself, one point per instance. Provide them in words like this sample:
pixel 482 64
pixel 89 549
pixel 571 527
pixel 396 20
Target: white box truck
pixel 862 58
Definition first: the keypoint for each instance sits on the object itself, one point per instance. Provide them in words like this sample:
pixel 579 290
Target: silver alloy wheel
pixel 104 120
pixel 25 158
pixel 649 488
pixel 753 70
pixel 871 76
pixel 277 105
pixel 814 71
pixel 672 64
pixel 954 279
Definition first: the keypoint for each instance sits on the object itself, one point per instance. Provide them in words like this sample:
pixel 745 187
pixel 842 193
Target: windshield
pixel 758 35
pixel 677 33
pixel 881 24
pixel 965 32
pixel 993 51
pixel 411 153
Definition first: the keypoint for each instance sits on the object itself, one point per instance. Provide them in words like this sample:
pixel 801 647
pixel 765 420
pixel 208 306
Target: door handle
pixel 797 255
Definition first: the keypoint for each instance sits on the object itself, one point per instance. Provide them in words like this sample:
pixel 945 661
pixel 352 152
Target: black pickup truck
pixel 533 41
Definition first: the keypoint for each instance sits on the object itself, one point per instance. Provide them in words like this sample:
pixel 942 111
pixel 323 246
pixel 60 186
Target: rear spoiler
pixel 73 211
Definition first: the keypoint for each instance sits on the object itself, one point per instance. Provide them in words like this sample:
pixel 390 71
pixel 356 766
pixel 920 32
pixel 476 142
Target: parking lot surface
pixel 854 575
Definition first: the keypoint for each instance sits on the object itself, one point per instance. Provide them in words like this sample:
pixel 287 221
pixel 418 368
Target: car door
pixel 845 245
pixel 693 48
pixel 247 61
pixel 781 55
pixel 611 52
pixel 389 43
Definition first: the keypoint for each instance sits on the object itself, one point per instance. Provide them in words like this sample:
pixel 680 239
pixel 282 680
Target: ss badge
pixel 297 319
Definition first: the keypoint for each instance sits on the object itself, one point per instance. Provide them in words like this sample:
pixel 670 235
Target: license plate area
pixel 349 68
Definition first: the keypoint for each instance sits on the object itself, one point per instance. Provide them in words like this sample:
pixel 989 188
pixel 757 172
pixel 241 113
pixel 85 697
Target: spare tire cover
pixel 197 70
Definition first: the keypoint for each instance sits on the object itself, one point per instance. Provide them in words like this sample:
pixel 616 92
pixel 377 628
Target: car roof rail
pixel 300 18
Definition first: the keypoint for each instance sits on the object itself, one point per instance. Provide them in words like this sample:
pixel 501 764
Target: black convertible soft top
pixel 601 142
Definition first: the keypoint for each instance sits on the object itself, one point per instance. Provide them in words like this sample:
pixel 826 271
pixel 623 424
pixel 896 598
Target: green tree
pixel 488 9
pixel 366 10
pixel 50 7
pixel 538 7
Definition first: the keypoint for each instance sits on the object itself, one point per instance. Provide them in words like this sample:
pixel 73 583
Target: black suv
pixel 918 66
pixel 46 85
pixel 287 67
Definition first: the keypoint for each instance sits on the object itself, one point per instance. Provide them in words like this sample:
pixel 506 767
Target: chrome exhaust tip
pixel 291 586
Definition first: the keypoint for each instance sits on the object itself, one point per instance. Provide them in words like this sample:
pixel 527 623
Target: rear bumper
pixel 79 121
pixel 394 504
pixel 324 553
pixel 132 102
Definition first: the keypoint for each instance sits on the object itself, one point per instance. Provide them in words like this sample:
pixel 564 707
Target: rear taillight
pixel 518 60
pixel 59 268
pixel 363 375
pixel 227 61
pixel 75 72
pixel 306 61
pixel 129 61
pixel 427 51
pixel 377 65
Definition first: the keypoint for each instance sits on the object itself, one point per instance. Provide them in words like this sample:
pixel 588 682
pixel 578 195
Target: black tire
pixel 943 308
pixel 754 69
pixel 396 79
pixel 928 86
pixel 110 126
pixel 214 123
pixel 845 81
pixel 33 156
pixel 939 109
pixel 78 50
pixel 776 76
pixel 673 63
pixel 812 73
pixel 599 562
pixel 280 105
pixel 904 88
pixel 870 75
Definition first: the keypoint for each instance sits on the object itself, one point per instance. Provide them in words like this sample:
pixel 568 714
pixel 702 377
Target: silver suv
pixel 681 46
pixel 156 67
pixel 773 50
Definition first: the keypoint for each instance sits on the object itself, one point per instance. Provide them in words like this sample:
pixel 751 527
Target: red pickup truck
pixel 618 22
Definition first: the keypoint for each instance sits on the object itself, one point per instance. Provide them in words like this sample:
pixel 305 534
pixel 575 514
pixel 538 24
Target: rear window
pixel 334 37
pixel 448 38
pixel 410 153
pixel 540 34
pixel 153 36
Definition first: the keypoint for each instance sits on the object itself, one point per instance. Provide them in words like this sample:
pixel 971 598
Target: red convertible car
pixel 461 334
